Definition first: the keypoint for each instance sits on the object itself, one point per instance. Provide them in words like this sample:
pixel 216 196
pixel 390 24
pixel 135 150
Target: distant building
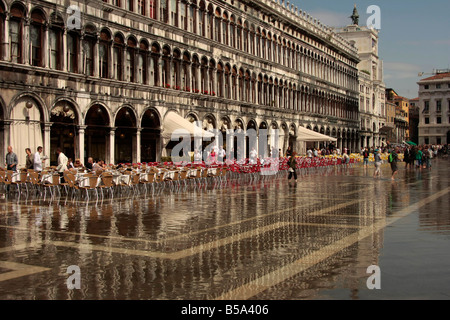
pixel 434 104
pixel 401 120
pixel 372 106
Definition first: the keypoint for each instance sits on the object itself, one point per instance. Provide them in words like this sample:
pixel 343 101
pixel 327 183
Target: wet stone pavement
pixel 266 240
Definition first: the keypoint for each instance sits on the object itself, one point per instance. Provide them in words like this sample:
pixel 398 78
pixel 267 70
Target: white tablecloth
pixel 15 177
pixel 84 181
pixel 47 178
pixel 169 175
pixel 123 178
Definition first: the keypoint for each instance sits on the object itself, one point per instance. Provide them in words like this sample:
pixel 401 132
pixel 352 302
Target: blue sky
pixel 414 35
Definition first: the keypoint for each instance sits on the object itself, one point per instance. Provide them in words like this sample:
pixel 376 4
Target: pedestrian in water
pixel 393 157
pixel 292 166
pixel 377 157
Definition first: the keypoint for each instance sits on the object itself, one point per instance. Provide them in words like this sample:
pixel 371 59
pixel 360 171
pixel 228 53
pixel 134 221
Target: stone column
pixel 26 43
pixel 95 57
pixel 46 140
pixel 80 152
pixel 64 53
pixel 112 138
pixel 45 48
pixel 5 44
pixel 137 148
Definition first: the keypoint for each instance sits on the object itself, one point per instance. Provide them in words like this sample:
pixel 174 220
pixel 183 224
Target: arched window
pixel 210 23
pixel 239 36
pixel 176 69
pixel 183 13
pixel 232 31
pixel 227 82
pixel 163 11
pixel 201 23
pixel 185 72
pixel 247 86
pixel 118 57
pixel 141 70
pixel 103 53
pixel 73 51
pixel 166 67
pixel 37 38
pixel 16 23
pixel 217 26
pixel 258 43
pixel 234 83
pixel 129 5
pixel 220 83
pixel 154 68
pixel 193 18
pixel 131 60
pixel 203 76
pixel 55 42
pixel 241 85
pixel 141 7
pixel 225 29
pixel 88 50
pixel 174 12
pixel 211 79
pixel 245 37
pixel 194 74
pixel 152 9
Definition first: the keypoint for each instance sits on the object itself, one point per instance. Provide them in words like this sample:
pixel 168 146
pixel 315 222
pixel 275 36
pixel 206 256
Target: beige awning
pixel 173 122
pixel 304 134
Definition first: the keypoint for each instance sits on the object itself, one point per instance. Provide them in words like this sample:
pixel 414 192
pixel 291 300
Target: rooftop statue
pixel 355 16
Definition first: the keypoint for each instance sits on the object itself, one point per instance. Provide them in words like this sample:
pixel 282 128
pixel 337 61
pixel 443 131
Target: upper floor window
pixel 152 9
pixel 16 23
pixel 37 38
pixel 72 51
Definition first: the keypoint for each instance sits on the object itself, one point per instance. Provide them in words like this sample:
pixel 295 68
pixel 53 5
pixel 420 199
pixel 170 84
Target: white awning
pixel 173 122
pixel 304 134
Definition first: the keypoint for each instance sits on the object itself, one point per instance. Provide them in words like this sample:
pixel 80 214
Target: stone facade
pixel 98 79
pixel 372 103
pixel 434 109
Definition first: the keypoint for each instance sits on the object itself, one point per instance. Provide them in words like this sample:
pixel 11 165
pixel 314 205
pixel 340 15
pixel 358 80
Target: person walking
pixel 62 163
pixel 38 160
pixel 419 156
pixel 378 161
pixel 292 166
pixel 393 157
pixel 366 155
pixel 11 160
pixel 29 162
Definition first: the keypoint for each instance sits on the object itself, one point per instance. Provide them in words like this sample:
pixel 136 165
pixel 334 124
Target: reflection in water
pixel 203 243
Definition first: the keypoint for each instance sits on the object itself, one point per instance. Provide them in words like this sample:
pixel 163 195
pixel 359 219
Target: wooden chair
pixel 52 186
pixel 107 183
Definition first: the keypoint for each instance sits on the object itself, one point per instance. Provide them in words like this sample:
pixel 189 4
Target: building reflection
pixel 228 236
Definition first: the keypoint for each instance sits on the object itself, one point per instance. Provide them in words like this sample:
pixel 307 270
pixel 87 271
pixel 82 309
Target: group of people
pixel 33 161
pixel 37 161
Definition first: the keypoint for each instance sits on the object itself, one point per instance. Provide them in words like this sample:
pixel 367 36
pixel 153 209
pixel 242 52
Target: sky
pixel 414 35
